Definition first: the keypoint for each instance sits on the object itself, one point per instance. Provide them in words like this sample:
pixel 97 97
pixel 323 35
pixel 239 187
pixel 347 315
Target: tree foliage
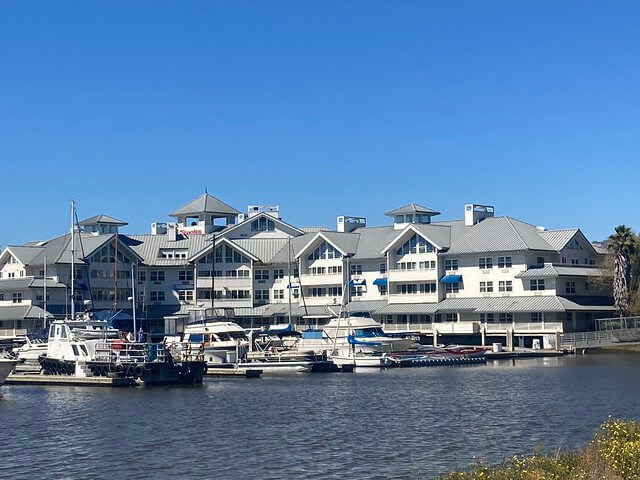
pixel 622 246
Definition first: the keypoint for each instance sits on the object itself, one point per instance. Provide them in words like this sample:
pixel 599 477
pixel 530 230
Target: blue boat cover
pixel 286 329
pixel 353 283
pixel 451 279
pixel 178 288
pixel 312 334
pixel 353 341
pixel 380 282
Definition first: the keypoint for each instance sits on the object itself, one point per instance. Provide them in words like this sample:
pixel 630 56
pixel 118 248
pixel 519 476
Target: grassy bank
pixel 613 454
pixel 619 349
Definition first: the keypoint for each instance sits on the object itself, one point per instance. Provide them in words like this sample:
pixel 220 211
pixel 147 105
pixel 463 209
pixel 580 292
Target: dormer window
pixel 263 225
pixel 415 244
pixel 324 252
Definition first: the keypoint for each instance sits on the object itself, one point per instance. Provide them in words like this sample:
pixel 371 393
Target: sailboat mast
pixel 289 273
pixel 44 293
pixel 73 257
pixel 213 270
pixel 115 275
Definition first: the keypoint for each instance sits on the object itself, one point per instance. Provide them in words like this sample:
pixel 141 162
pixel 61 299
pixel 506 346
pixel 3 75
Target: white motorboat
pixel 31 351
pixel 223 343
pixel 6 367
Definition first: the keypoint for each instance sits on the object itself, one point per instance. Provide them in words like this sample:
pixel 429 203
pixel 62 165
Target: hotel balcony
pixel 312 280
pixel 404 276
pixel 413 298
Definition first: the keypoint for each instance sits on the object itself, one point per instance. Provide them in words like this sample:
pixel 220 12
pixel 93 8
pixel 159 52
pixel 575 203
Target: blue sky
pixel 326 108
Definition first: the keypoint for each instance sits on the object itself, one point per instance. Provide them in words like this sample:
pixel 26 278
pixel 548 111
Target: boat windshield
pixel 196 338
pixel 226 336
pixel 369 332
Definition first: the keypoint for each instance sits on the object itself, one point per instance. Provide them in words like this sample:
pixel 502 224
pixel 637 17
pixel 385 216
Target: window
pixel 506 318
pixel 231 256
pixel 451 264
pixel 383 268
pixel 575 261
pixel 570 287
pixel 487 317
pixel 2 297
pixel 537 284
pixel 278 294
pixel 416 244
pixel 406 265
pixel 428 287
pixel 185 275
pixel 319 292
pixel 324 252
pixel 157 296
pixel 11 275
pixel 504 262
pixel 486 287
pixel 262 275
pixel 505 286
pixel 406 288
pixel 142 276
pixel 334 270
pixel 564 259
pixel 336 291
pixel 428 265
pixel 263 224
pixel 451 317
pixel 356 269
pixel 17 297
pixel 451 287
pixel 382 289
pixel 574 245
pixel 262 295
pixel 157 276
pixel 540 260
pixel 317 270
pixel 185 295
pixel 536 317
pixel 485 263
pixel 278 273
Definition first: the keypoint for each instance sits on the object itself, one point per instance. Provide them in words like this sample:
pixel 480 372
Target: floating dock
pixel 404 361
pixel 524 354
pixel 234 372
pixel 38 379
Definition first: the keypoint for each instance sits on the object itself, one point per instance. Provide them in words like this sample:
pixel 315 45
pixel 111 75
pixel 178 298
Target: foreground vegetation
pixel 614 454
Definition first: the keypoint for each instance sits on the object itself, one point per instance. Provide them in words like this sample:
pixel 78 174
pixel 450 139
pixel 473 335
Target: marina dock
pixel 38 379
pixel 529 353
pixel 234 372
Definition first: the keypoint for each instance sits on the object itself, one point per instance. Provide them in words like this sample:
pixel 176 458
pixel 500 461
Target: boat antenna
pixel 44 293
pixel 115 274
pixel 213 272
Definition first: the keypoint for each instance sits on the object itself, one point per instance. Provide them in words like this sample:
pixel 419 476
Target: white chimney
pixel 474 213
pixel 158 228
pixel 347 224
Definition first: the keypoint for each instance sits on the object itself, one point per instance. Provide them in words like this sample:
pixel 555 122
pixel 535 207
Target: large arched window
pixel 323 252
pixel 415 244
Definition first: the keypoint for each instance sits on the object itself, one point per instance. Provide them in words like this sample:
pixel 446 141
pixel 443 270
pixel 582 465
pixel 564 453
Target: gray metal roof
pixel 412 208
pixel 102 218
pixel 548 271
pixel 25 254
pixel 21 312
pixel 297 243
pixel 346 242
pixel 373 240
pixel 262 248
pixel 577 302
pixel 58 250
pixel 497 234
pixel 408 308
pixel 205 203
pixel 542 303
pixel 149 246
pixel 314 229
pixel 440 235
pixel 558 238
pixel 27 282
pixel 365 306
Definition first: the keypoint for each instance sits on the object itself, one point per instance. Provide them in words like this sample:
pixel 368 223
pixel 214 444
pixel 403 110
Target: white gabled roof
pixel 438 235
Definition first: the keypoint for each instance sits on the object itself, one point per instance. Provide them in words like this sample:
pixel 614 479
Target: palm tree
pixel 622 244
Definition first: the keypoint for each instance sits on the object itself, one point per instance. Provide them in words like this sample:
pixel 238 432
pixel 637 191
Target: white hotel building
pixel 480 279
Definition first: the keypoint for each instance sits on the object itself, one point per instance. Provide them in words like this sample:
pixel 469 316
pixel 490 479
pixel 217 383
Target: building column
pixel 435 337
pixel 483 334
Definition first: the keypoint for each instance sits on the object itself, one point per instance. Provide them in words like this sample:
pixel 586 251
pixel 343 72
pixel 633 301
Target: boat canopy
pixel 355 283
pixel 353 341
pixel 451 279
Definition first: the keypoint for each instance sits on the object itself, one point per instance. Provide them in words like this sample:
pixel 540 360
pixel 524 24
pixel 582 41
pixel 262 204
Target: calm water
pixel 410 423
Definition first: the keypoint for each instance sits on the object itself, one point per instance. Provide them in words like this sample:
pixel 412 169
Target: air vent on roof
pixel 541 229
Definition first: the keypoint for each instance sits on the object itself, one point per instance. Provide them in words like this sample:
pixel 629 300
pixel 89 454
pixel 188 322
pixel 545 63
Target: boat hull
pixel 278 367
pixel 6 367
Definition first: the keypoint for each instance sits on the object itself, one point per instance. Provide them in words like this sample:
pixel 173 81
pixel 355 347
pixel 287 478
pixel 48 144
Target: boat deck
pixel 234 372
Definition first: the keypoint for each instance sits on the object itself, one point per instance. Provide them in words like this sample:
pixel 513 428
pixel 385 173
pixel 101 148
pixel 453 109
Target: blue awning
pixel 179 288
pixel 354 283
pixel 451 279
pixel 380 282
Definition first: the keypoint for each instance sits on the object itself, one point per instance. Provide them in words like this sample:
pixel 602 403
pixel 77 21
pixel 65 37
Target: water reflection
pixel 404 423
